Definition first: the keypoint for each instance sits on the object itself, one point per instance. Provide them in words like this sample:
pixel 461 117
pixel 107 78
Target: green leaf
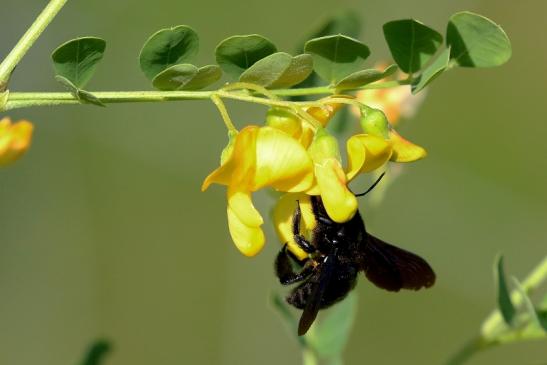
pixel 328 337
pixel 300 68
pixel 267 70
pixel 82 95
pixel 97 352
pixel 476 41
pixel 186 77
pixel 175 77
pixel 543 304
pixel 206 76
pixel 505 305
pixel 431 72
pixel 237 53
pixel 77 59
pixel 542 316
pixel 166 48
pixel 335 57
pixel 411 43
pixel 364 77
pixel 529 306
pixel 279 70
pixel 288 318
pixel 345 22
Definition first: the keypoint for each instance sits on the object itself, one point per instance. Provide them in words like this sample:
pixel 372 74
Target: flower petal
pixel 403 150
pixel 340 203
pixel 239 164
pixel 366 153
pixel 242 205
pixel 307 135
pixel 249 240
pixel 283 220
pixel 324 115
pixel 281 162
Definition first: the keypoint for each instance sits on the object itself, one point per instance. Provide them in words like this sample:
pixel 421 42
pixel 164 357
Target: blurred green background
pixel 104 233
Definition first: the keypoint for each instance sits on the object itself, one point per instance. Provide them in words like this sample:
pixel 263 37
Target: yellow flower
pixel 365 153
pixel 379 143
pixel 14 139
pixel 331 181
pixel 258 157
pixel 300 158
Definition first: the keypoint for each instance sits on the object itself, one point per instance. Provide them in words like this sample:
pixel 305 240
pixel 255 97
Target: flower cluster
pixel 15 139
pixel 301 158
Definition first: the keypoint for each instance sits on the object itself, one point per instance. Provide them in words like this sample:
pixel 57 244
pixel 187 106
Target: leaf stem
pixel 309 357
pixel 27 40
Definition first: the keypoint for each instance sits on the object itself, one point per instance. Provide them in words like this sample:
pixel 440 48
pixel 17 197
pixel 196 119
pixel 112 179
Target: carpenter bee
pixel 337 252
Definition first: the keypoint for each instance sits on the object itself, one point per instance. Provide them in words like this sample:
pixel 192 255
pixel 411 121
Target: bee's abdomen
pixel 342 282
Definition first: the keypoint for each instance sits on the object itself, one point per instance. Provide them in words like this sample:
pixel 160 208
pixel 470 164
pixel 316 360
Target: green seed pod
pixel 284 120
pixel 374 122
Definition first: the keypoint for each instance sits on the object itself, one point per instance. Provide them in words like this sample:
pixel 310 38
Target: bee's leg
pixel 302 242
pixel 285 271
pixel 319 211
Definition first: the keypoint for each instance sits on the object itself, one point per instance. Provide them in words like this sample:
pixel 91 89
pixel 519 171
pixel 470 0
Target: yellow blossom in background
pixel 396 102
pixel 15 139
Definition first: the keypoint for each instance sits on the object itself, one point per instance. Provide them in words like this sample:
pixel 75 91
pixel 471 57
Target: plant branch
pixel 27 40
pixel 18 100
pixel 468 350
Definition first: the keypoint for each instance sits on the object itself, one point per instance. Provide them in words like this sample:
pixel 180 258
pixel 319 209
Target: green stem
pixel 494 323
pixel 224 113
pixel 27 40
pixel 32 99
pixel 467 351
pixel 309 357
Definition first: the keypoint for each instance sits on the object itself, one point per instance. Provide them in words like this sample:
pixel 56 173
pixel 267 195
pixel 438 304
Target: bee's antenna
pixel 372 186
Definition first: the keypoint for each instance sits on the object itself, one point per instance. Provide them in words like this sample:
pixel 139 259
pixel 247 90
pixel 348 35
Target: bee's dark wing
pixel 314 300
pixel 393 268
